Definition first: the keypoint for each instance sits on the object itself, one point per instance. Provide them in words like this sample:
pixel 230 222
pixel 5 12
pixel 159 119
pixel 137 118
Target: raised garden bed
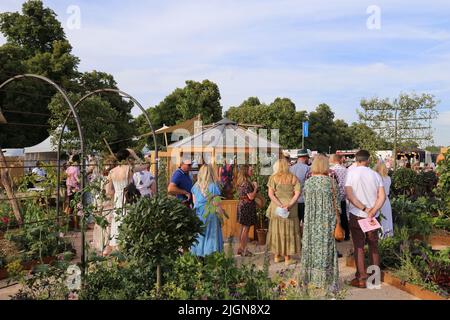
pixel 389 278
pixel 439 241
pixel 412 289
pixel 27 266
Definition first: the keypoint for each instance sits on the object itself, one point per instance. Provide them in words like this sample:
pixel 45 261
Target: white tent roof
pixel 225 134
pixel 9 152
pixel 44 146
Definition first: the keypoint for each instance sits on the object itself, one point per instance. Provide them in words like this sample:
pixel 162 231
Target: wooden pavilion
pixel 223 140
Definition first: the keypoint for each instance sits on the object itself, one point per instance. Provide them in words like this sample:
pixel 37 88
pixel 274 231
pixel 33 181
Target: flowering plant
pixel 212 206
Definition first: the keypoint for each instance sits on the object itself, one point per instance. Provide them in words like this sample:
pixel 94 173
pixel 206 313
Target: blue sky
pixel 309 51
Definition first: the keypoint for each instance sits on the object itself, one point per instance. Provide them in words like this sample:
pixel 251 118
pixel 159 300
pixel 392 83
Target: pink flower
pixel 5 220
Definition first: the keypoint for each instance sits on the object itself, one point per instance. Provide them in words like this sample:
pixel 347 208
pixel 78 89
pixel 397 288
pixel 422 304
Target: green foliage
pixel 46 282
pixel 116 279
pixel 7 217
pixel 36 43
pixel 97 118
pixel 442 190
pixel 183 104
pixel 155 228
pixel 404 181
pixel 425 183
pixel 211 208
pixel 401 119
pixel 389 249
pixel 35 29
pixel 217 277
pixel 414 215
pixel 280 114
pixel 40 236
pixel 262 181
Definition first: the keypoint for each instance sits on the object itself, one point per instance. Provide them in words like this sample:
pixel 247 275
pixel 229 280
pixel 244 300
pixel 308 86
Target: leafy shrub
pixel 7 217
pixel 425 183
pixel 39 237
pixel 414 215
pixel 217 277
pixel 404 181
pixel 389 249
pixel 156 228
pixel 46 282
pixel 115 279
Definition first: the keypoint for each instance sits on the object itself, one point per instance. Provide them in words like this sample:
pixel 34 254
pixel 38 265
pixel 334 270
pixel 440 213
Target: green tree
pixel 403 120
pixel 36 43
pixel 183 104
pixel 103 116
pixel 322 130
pixel 35 30
pixel 280 114
pixel 364 137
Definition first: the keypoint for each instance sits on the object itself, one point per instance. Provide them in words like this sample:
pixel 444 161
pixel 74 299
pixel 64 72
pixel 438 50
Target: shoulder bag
pixel 339 233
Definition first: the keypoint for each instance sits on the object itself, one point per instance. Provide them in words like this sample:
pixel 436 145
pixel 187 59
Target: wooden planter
pixel 392 280
pixel 412 289
pixel 261 234
pixel 28 266
pixel 230 226
pixel 439 241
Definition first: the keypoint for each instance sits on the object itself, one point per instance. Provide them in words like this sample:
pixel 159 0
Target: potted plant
pixel 262 226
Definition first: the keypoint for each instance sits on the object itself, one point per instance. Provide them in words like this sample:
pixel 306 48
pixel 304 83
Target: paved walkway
pixel 386 292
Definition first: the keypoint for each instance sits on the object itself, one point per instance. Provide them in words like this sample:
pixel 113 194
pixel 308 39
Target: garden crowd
pixel 308 200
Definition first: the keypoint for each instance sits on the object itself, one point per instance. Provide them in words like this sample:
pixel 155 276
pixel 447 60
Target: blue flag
pixel 305 129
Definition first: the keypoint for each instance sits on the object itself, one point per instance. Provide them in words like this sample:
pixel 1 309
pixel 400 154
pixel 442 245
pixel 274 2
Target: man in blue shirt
pixel 181 183
pixel 301 171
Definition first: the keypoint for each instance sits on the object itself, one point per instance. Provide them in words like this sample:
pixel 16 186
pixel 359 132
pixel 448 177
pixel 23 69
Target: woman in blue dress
pixel 205 195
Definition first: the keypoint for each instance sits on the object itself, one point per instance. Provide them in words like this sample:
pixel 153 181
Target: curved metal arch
pixel 80 135
pixel 77 120
pixel 61 91
pixel 123 94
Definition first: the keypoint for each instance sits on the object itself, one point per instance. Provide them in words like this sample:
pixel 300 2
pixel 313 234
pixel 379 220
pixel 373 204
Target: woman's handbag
pixel 339 233
pixel 130 193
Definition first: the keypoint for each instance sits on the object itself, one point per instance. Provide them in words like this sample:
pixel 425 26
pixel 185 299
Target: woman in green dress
pixel 319 261
pixel 284 233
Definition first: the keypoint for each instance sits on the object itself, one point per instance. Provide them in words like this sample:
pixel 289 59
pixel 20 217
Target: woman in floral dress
pixel 246 214
pixel 319 261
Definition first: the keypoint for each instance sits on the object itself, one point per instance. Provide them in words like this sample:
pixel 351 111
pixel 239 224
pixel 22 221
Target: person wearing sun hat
pixel 301 171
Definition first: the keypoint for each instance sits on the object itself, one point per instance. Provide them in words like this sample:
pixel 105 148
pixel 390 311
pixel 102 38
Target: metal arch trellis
pixel 78 124
pixel 89 94
pixel 123 94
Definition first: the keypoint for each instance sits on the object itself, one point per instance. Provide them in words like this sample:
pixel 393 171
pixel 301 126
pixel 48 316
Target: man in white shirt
pixel 365 191
pixel 145 182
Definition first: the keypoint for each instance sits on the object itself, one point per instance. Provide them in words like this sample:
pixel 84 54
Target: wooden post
pixel 109 148
pixel 6 182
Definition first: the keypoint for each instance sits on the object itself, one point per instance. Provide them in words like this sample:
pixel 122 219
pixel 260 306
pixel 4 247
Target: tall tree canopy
pixel 183 104
pixel 36 43
pixel 280 114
